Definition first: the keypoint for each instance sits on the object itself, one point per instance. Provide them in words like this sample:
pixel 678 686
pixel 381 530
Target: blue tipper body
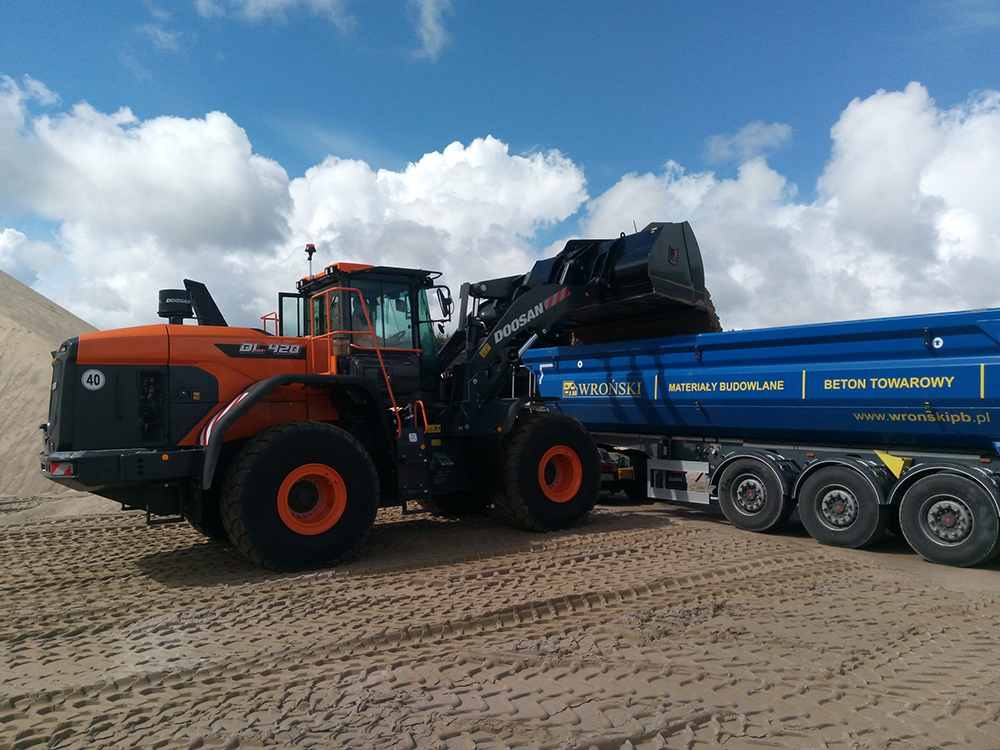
pixel 926 380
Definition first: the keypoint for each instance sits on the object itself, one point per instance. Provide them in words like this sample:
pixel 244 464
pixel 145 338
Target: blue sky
pixel 611 88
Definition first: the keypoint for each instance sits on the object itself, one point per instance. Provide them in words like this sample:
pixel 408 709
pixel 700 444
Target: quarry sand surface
pixel 644 627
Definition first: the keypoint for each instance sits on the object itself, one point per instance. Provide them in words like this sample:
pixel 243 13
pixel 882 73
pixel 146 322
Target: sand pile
pixel 31 326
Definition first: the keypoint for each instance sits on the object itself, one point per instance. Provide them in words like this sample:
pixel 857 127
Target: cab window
pixel 319 315
pixel 391 313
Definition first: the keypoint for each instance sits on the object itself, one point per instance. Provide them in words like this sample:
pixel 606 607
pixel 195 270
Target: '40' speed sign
pixel 93 380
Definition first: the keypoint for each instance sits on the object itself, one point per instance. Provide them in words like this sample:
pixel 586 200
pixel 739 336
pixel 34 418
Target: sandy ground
pixel 645 627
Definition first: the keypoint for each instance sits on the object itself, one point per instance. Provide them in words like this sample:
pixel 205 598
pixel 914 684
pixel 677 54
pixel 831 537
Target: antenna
pixel 310 251
pixel 635 227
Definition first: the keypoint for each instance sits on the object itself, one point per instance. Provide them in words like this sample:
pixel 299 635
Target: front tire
pixel 550 474
pixel 299 496
pixel 751 496
pixel 951 520
pixel 840 508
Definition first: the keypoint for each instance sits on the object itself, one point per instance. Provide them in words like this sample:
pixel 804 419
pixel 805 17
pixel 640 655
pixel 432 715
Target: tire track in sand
pixel 637 630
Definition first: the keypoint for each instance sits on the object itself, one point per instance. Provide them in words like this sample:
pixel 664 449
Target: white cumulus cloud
pixel 905 220
pixel 189 182
pixel 469 208
pixel 139 205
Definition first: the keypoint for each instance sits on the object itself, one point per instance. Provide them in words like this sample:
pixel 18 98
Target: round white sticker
pixel 93 380
pixel 938 342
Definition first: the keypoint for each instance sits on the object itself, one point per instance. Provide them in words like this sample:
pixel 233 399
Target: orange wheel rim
pixel 560 474
pixel 312 499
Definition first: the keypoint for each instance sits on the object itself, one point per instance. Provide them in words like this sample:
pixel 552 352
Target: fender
pixel 214 432
pixel 986 479
pixel 872 474
pixel 778 465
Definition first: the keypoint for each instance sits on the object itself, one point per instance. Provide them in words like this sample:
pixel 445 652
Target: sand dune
pixel 31 326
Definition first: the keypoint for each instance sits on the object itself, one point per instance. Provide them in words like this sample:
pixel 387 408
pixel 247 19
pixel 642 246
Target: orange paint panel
pixel 198 346
pixel 140 345
pixel 319 406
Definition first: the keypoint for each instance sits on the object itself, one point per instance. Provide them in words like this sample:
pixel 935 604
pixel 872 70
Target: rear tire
pixel 300 495
pixel 751 496
pixel 550 474
pixel 840 508
pixel 951 520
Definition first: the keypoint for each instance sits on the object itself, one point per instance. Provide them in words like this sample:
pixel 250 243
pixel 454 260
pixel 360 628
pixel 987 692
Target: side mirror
pixel 445 301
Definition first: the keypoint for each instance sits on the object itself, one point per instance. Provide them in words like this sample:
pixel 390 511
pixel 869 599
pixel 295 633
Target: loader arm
pixel 594 290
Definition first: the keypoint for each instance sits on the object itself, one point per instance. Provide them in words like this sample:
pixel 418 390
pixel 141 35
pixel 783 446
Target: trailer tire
pixel 951 520
pixel 840 508
pixel 550 473
pixel 751 497
pixel 301 495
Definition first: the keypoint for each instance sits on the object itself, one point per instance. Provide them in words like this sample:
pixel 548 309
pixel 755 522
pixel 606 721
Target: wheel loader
pixel 287 440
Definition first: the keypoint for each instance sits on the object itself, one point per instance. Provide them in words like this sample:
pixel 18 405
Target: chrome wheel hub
pixel 838 508
pixel 948 520
pixel 750 495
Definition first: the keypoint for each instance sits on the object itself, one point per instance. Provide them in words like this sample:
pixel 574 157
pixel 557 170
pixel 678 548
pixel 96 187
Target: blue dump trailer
pixel 859 425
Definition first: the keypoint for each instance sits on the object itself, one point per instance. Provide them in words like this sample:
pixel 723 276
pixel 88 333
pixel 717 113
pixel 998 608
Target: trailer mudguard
pixel 214 432
pixel 984 478
pixel 866 469
pixel 776 464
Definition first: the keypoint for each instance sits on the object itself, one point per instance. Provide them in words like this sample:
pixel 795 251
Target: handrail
pixel 423 411
pixel 273 318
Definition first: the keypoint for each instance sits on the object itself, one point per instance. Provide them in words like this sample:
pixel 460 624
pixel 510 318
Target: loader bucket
pixel 652 284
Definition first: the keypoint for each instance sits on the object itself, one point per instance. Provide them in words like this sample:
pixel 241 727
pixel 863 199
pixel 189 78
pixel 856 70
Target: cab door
pixel 392 332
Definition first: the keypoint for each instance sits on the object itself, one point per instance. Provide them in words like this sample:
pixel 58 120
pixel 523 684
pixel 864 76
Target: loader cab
pixel 359 312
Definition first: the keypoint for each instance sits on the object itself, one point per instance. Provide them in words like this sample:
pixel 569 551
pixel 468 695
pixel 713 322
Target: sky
pixel 836 160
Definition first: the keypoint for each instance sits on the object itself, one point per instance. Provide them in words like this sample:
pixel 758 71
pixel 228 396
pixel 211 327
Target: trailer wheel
pixel 840 508
pixel 550 474
pixel 951 520
pixel 751 496
pixel 300 495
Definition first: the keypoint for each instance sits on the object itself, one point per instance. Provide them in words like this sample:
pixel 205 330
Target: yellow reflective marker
pixel 895 464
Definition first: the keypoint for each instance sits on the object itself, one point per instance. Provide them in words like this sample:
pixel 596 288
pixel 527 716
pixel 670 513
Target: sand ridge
pixel 644 628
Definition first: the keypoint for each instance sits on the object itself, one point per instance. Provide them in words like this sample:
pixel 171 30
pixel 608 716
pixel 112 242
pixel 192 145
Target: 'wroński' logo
pixel 575 389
